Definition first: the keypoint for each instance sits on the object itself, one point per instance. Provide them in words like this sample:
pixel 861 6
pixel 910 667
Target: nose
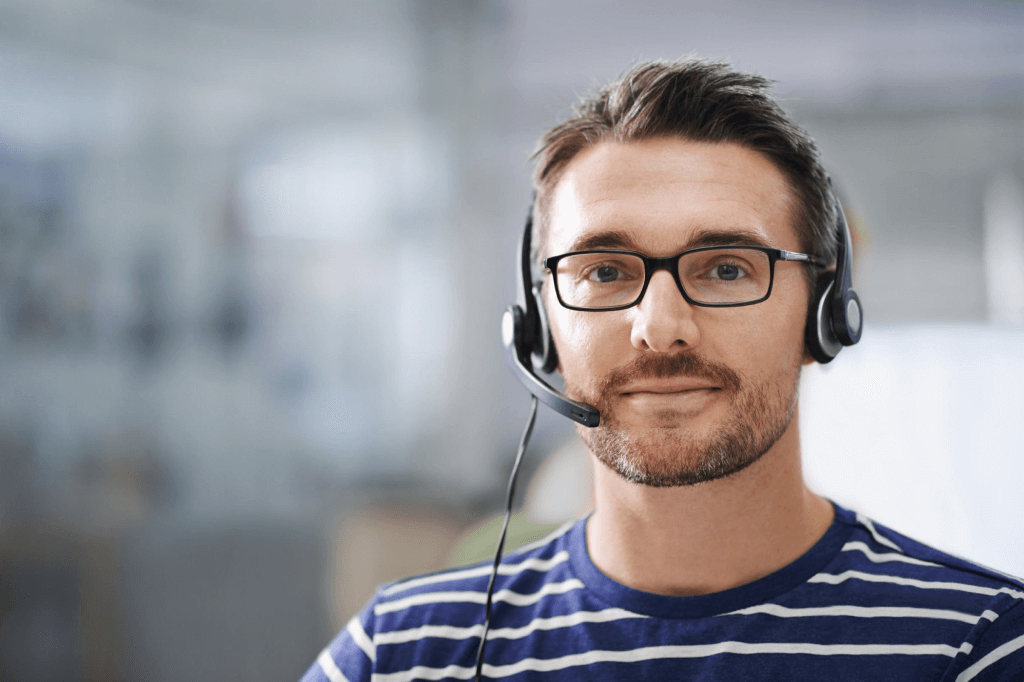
pixel 663 321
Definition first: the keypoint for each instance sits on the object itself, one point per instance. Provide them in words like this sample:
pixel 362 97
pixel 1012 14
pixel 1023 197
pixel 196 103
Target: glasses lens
pixel 599 280
pixel 732 275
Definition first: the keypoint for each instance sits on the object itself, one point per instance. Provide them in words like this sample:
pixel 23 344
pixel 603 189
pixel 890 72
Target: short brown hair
pixel 702 101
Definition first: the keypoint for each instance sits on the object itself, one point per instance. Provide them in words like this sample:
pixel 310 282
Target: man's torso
pixel 864 603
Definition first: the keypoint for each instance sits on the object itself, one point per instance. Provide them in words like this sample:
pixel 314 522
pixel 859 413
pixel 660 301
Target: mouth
pixel 669 388
pixel 668 401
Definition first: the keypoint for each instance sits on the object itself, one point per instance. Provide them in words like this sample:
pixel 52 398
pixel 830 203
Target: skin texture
pixel 697 477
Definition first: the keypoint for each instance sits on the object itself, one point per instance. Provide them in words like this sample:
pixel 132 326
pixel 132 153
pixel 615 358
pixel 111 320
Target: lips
pixel 667 387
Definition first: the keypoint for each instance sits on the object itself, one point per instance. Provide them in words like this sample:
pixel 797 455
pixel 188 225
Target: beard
pixel 666 454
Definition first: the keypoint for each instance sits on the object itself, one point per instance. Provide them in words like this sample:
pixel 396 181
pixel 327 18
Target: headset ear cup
pixel 544 351
pixel 512 329
pixel 819 338
pixel 847 318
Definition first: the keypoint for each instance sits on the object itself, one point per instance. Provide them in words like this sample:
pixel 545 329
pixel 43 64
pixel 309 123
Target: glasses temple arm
pixel 799 257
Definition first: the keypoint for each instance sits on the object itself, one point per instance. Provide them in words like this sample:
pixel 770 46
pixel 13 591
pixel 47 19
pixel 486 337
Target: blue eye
pixel 605 273
pixel 727 272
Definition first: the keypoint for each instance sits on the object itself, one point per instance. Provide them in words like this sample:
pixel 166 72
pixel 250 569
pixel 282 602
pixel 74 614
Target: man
pixel 707 557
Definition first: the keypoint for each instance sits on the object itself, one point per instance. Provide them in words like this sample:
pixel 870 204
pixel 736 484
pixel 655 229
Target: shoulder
pixel 435 618
pixel 529 568
pixel 871 544
pixel 547 552
pixel 882 568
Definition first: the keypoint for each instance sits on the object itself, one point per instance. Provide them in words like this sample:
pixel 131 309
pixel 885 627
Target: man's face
pixel 687 394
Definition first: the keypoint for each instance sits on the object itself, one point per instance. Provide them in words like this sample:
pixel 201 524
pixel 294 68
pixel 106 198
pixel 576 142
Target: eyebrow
pixel 611 239
pixel 726 237
pixel 618 239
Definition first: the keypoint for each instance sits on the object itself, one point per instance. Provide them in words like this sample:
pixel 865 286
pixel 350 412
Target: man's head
pixel 702 101
pixel 672 157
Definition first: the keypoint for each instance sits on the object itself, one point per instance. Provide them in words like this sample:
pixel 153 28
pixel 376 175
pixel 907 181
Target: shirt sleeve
pixel 997 655
pixel 351 655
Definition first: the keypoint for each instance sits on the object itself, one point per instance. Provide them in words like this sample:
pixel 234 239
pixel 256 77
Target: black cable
pixel 501 539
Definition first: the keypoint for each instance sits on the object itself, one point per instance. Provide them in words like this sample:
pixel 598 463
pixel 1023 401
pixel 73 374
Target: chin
pixel 672 456
pixel 672 459
pixel 681 440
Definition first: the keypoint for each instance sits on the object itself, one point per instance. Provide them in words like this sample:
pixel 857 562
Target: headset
pixel 834 320
pixel 529 346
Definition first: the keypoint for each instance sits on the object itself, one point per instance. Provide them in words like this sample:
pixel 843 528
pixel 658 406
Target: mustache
pixel 660 366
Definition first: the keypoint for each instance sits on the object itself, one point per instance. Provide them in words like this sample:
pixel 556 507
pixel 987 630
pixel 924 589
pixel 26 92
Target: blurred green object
pixel 480 541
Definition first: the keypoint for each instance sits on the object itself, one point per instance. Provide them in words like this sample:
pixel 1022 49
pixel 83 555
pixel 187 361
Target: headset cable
pixel 501 539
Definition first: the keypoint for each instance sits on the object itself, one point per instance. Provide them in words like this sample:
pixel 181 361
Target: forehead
pixel 663 195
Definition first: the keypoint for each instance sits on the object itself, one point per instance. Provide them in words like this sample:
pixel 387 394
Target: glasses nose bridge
pixel 669 263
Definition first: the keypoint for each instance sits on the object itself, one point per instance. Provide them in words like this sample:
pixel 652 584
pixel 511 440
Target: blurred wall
pixel 253 257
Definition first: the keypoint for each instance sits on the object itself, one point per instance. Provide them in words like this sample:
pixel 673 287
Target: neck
pixel 708 537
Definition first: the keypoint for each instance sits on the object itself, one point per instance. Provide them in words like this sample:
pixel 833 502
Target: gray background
pixel 253 257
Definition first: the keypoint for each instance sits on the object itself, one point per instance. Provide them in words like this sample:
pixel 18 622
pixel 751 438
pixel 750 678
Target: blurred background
pixel 253 258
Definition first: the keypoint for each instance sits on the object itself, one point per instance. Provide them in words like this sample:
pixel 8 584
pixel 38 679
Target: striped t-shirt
pixel 864 603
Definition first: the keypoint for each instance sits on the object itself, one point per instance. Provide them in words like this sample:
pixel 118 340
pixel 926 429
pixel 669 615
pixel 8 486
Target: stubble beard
pixel 657 456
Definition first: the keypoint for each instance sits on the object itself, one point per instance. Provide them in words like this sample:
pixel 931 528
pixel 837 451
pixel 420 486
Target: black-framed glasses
pixel 711 276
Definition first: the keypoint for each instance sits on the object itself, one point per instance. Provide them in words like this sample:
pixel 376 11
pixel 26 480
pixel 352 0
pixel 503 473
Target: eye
pixel 726 271
pixel 604 273
pixel 607 271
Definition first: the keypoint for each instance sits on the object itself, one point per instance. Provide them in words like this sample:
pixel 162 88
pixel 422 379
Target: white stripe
pixel 557 533
pixel 533 564
pixel 889 543
pixel 508 596
pixel 362 640
pixel 911 582
pixel 329 667
pixel 882 558
pixel 865 521
pixel 989 658
pixel 661 652
pixel 420 672
pixel 863 612
pixel 554 623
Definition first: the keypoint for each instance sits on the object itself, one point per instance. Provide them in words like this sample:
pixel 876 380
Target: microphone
pixel 522 366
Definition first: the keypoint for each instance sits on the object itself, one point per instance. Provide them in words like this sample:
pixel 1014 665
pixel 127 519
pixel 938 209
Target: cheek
pixel 576 336
pixel 760 341
pixel 586 343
